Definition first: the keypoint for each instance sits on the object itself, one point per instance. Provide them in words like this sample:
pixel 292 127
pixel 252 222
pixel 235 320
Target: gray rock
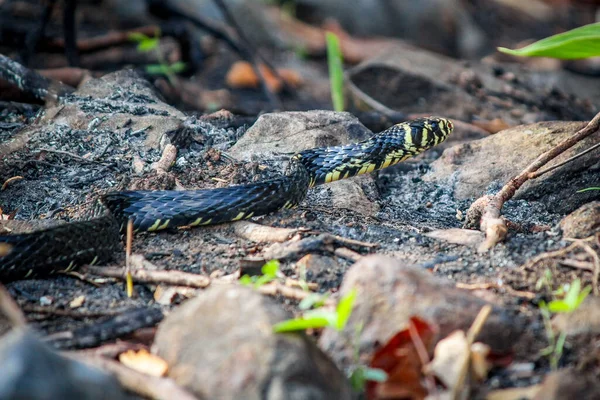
pixel 31 370
pixel 474 167
pixel 390 292
pixel 583 222
pixel 417 81
pixel 291 132
pixel 221 345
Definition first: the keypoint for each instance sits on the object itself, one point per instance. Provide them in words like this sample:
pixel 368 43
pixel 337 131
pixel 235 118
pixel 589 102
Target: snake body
pixel 96 240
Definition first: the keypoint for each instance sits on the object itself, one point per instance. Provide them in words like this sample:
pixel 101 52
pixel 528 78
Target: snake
pixel 97 238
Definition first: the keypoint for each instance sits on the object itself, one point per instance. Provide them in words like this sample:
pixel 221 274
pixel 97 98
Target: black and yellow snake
pixel 95 240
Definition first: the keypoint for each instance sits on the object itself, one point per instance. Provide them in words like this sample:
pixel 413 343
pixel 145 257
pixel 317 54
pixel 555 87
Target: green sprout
pixel 336 72
pixel 269 274
pixel 572 299
pixel 319 318
pixel 147 44
pixel 582 42
pixel 360 374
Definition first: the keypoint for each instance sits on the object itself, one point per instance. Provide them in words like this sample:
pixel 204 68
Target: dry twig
pixel 491 222
pixel 177 278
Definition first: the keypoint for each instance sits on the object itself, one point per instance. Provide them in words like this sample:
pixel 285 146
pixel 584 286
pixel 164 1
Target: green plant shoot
pixel 572 300
pixel 582 42
pixel 315 319
pixel 269 273
pixel 336 72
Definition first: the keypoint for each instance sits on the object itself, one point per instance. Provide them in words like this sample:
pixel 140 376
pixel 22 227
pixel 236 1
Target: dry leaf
pixel 400 359
pixel 144 362
pixel 5 249
pixel 465 237
pixel 77 302
pixel 241 75
pixel 450 354
pixel 480 365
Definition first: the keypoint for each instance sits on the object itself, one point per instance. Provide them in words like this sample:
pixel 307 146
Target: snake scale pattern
pixel 96 240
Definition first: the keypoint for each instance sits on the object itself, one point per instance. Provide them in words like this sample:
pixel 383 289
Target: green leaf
pixel 177 67
pixel 582 42
pixel 344 309
pixel 137 37
pixel 270 268
pixel 589 189
pixel 336 72
pixel 360 375
pixel 584 293
pixel 148 45
pixel 313 300
pixel 559 306
pixel 263 280
pixel 300 324
pixel 375 374
pixel 573 294
pixel 157 69
pixel 246 280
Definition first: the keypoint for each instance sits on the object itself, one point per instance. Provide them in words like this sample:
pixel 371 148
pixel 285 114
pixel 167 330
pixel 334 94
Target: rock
pixel 474 167
pixel 31 370
pixel 221 345
pixel 389 293
pixel 121 96
pixel 404 74
pixel 291 132
pixel 569 384
pixel 583 222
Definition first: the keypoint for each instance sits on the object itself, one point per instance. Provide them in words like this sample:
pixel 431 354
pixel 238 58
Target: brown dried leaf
pixel 144 362
pixel 399 358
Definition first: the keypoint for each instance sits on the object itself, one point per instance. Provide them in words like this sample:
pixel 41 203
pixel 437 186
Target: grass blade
pixel 336 72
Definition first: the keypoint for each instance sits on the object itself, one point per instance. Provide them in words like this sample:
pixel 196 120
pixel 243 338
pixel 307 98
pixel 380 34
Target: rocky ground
pixel 402 240
pixel 110 134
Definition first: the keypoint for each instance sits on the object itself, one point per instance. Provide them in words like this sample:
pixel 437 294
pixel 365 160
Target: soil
pixel 62 171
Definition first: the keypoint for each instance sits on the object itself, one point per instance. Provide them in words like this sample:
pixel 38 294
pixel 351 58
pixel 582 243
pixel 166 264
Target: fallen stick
pixel 491 222
pixel 176 278
pixel 31 82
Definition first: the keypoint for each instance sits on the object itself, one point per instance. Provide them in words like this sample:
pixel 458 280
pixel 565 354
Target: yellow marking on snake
pixel 207 222
pixel 408 142
pixel 164 225
pixel 335 176
pixel 249 215
pixel 94 261
pixel 239 216
pixel 29 273
pixel 154 226
pixel 196 222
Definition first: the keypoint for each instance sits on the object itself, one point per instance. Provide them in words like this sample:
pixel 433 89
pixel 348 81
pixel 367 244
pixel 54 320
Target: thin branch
pixel 30 81
pixel 543 171
pixel 491 222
